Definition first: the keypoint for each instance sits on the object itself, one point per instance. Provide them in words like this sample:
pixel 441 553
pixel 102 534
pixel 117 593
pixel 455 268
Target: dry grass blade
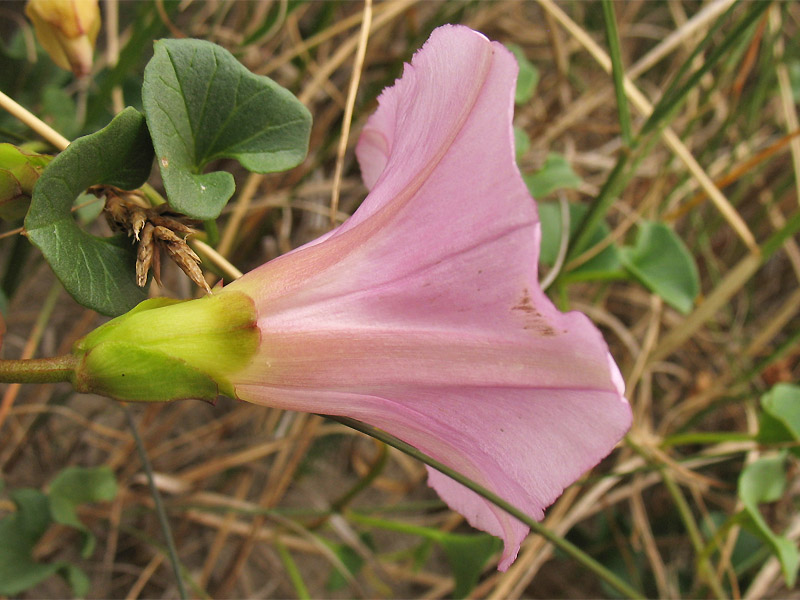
pixel 358 65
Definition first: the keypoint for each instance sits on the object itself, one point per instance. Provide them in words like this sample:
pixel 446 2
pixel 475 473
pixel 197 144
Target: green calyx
pixel 167 349
pixel 19 171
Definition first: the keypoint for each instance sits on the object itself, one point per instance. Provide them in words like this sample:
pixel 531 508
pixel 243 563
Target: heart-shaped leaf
pixel 98 272
pixel 202 105
pixel 20 531
pixel 663 264
pixel 78 485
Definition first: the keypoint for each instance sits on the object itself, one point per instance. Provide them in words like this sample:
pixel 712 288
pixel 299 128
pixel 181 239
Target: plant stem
pixel 618 71
pixel 172 552
pixel 562 544
pixel 692 528
pixel 38 370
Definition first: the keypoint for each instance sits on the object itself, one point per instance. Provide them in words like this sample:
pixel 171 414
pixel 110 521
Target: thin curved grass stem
pixel 162 515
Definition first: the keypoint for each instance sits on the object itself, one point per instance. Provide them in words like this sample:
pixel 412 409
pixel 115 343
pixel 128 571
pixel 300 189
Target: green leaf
pixel 663 264
pixel 522 143
pixel 74 486
pixel 76 578
pixel 203 105
pixel 98 272
pixel 556 174
pixel 351 559
pixel 780 419
pixel 60 107
pixel 528 77
pixel 19 533
pixel 605 265
pixel 765 481
pixel 467 555
pixel 794 79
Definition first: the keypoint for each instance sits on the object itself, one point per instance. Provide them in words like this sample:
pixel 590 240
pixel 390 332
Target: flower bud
pixel 167 349
pixel 67 29
pixel 19 172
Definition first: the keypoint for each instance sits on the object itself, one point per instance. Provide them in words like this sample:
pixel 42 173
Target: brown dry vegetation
pixel 246 487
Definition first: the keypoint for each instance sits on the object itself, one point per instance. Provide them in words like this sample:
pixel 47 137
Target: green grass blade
pixel 618 71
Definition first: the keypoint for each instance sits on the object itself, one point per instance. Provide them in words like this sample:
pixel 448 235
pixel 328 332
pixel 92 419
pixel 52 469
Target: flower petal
pixel 422 314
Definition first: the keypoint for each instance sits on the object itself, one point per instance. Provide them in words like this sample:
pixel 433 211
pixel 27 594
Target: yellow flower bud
pixel 67 29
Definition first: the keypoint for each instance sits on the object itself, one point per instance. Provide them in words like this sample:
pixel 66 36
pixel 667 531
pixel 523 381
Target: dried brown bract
pixel 154 229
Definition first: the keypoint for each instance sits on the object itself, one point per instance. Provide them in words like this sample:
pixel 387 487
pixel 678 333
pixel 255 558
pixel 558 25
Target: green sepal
pixel 129 372
pixel 165 349
pixel 19 171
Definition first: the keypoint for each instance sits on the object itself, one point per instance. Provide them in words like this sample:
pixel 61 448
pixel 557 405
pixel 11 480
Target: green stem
pixel 172 552
pixel 363 483
pixel 774 242
pixel 559 542
pixel 692 528
pixel 39 370
pixel 705 437
pixel 618 71
pixel 291 569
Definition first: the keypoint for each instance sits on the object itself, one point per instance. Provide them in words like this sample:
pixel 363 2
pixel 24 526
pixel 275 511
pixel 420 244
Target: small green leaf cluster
pixel 765 479
pixel 200 105
pixel 36 511
pixel 763 482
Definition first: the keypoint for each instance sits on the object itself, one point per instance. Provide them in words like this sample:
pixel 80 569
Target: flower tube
pixel 420 315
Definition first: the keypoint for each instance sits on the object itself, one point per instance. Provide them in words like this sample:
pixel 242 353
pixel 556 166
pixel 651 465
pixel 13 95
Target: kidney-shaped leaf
pixel 98 272
pixel 202 105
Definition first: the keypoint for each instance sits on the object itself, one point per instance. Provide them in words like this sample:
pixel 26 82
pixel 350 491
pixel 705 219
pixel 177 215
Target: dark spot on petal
pixel 525 304
pixel 533 320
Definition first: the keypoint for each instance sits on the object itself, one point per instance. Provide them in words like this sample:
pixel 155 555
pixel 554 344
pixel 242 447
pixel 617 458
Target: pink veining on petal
pixel 422 314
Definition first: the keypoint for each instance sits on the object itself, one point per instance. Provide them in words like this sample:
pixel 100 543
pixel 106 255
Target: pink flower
pixel 422 314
